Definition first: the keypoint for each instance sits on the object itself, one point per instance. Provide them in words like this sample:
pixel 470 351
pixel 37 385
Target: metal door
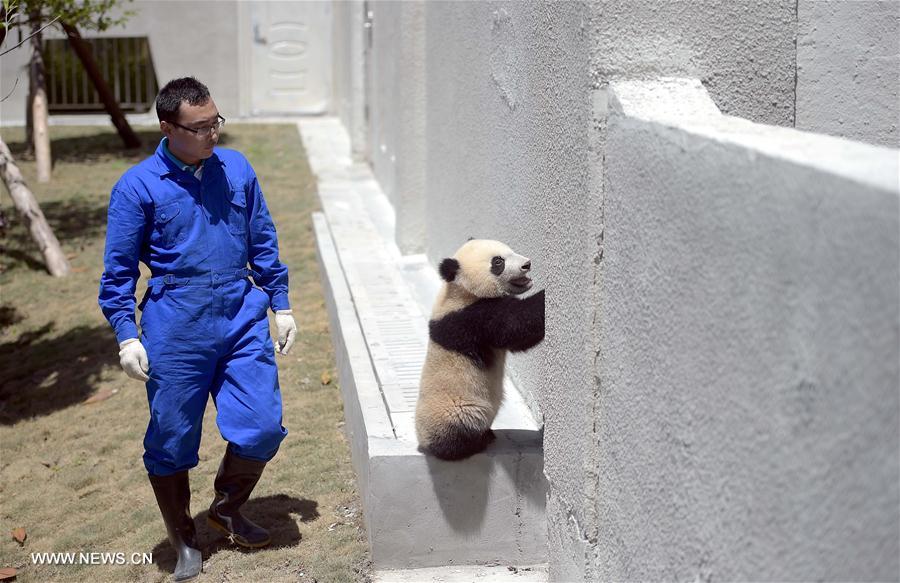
pixel 291 57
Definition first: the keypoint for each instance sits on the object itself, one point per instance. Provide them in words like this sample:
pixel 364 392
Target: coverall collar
pixel 172 165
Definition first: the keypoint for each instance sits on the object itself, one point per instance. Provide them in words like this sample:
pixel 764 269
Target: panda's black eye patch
pixel 497 265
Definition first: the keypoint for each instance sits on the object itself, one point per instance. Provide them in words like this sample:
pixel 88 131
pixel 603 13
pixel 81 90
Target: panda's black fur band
pixel 507 323
pixel 448 269
pixel 459 442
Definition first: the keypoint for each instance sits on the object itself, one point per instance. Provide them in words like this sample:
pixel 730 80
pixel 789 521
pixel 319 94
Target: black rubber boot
pixel 235 481
pixel 173 495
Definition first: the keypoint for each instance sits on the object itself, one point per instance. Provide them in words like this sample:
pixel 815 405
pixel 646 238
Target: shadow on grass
pixel 40 375
pixel 9 315
pixel 14 258
pixel 98 147
pixel 77 219
pixel 270 512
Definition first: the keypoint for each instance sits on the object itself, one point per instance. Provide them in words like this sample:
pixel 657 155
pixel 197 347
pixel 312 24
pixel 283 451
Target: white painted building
pixel 257 58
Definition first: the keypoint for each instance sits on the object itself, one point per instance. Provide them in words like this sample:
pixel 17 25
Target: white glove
pixel 287 330
pixel 133 359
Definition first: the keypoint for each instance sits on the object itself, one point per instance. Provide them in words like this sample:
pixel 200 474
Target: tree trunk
pixel 29 119
pixel 56 261
pixel 39 107
pixel 83 50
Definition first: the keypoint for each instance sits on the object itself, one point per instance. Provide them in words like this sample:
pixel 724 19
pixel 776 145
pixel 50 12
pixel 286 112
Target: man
pixel 195 215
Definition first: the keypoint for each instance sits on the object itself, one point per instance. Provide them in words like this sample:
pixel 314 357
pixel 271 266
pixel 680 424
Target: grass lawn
pixel 71 472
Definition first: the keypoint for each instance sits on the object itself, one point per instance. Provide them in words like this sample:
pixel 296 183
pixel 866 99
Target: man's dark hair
pixel 174 92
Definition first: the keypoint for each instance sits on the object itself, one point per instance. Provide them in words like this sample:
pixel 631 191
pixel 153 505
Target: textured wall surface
pixel 718 382
pixel 349 38
pixel 396 97
pixel 748 421
pixel 848 69
pixel 509 125
pixel 742 51
pixel 178 51
pixel 508 119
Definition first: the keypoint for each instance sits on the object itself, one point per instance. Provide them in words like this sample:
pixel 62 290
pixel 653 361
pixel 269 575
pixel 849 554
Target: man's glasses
pixel 203 132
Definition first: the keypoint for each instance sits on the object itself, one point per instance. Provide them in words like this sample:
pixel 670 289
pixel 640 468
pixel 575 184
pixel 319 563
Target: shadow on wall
pixel 270 512
pixel 463 499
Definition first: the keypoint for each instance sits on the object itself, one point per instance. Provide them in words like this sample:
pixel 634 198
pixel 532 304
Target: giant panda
pixel 476 319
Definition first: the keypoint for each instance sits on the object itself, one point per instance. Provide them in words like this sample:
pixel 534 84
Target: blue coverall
pixel 203 324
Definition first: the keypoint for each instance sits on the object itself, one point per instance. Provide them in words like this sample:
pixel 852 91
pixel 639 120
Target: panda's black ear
pixel 470 239
pixel 448 269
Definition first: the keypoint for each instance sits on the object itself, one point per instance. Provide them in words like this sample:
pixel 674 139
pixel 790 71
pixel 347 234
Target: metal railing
pixel 125 62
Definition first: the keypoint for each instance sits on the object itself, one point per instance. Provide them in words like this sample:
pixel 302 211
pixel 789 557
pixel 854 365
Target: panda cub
pixel 476 319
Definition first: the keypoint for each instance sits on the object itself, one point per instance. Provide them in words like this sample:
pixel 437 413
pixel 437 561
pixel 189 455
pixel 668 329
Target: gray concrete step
pixel 465 574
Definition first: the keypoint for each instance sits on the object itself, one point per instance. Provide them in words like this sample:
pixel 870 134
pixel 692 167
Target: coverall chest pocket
pixel 237 212
pixel 168 227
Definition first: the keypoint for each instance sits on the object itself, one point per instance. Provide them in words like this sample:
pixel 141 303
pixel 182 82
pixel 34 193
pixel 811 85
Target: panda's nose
pixel 526 266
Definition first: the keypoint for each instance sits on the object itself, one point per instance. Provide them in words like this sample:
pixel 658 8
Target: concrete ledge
pixel 750 322
pixel 419 511
pixel 465 574
pixel 685 106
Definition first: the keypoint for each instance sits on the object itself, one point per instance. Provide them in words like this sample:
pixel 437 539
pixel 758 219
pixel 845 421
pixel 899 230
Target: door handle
pixel 258 38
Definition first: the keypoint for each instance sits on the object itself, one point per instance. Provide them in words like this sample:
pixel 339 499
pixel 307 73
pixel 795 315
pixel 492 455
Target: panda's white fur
pixel 475 320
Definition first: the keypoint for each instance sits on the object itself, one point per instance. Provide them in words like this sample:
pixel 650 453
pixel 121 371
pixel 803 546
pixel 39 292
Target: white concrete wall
pixel 744 51
pixel 349 38
pixel 396 98
pixel 179 47
pixel 708 404
pixel 848 69
pixel 507 142
pixel 14 81
pixel 746 424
